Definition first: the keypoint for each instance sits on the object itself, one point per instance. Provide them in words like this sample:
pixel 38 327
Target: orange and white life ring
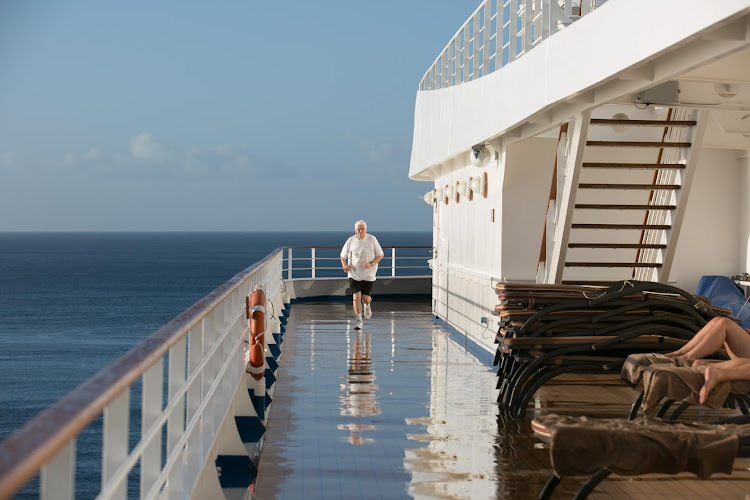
pixel 256 313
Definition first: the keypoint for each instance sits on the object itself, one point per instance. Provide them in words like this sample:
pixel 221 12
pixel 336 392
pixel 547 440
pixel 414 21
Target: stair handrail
pixel 651 194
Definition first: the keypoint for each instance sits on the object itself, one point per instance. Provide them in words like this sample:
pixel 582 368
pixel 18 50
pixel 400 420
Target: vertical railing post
pixel 289 265
pixel 115 440
pixel 176 377
pixel 393 261
pixel 152 389
pixel 486 37
pixel 512 31
pixel 528 22
pixel 57 479
pixel 312 262
pixel 475 54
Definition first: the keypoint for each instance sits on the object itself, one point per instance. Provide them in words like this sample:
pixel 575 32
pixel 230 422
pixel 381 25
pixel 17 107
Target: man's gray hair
pixel 360 223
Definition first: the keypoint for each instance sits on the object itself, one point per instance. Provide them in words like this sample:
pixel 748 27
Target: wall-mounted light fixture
pixel 479 185
pixel 450 193
pixel 463 189
pixel 439 196
pixel 429 197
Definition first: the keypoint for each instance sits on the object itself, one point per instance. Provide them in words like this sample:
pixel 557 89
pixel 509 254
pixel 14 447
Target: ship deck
pixel 402 409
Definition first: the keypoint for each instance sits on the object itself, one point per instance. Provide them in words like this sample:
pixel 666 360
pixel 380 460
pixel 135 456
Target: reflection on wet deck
pixel 400 410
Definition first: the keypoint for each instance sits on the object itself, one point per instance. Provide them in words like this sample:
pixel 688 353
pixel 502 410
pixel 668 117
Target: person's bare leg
pixel 366 299
pixel 357 303
pixel 727 334
pixel 712 337
pixel 710 327
pixel 734 369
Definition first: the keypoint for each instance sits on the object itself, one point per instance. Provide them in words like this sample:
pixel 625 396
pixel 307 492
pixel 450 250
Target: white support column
pixel 58 476
pixel 115 440
pixel 393 261
pixel 566 198
pixel 686 180
pixel 152 394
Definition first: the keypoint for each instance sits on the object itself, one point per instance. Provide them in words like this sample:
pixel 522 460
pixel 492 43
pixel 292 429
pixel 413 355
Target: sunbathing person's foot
pixel 710 379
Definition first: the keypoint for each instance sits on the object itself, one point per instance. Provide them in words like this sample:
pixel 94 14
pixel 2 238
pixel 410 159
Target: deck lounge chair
pixel 548 330
pixel 581 446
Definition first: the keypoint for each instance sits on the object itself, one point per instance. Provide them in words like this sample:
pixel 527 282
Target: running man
pixel 363 252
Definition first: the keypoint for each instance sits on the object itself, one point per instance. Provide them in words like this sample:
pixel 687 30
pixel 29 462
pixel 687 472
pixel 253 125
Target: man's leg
pixel 366 298
pixel 367 310
pixel 357 305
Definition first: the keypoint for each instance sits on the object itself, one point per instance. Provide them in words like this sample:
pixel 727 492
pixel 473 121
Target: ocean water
pixel 71 303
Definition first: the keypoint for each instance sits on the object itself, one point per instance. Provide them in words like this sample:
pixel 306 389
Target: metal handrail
pixel 518 26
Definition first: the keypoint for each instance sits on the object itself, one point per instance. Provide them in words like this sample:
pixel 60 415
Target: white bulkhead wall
pixel 528 173
pixel 714 236
pixel 468 241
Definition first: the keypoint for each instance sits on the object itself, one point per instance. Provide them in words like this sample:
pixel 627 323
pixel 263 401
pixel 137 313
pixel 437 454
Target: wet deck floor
pixel 402 410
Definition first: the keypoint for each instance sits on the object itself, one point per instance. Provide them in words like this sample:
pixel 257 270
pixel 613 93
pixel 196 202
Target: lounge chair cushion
pixel 581 446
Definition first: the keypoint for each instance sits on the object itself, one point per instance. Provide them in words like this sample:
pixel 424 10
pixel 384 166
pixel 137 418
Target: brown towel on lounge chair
pixel 636 364
pixel 675 378
pixel 581 446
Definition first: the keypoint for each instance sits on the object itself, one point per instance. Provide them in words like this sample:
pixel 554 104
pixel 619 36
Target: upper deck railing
pixel 497 33
pixel 179 383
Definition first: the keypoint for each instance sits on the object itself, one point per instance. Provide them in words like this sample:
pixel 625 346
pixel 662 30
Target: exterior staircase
pixel 618 197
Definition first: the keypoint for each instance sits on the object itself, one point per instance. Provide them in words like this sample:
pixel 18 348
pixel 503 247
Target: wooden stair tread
pixel 629 186
pixel 651 166
pixel 638 144
pixel 643 123
pixel 594 206
pixel 617 245
pixel 612 264
pixel 620 226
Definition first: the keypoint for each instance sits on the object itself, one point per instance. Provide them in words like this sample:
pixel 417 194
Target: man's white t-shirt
pixel 360 251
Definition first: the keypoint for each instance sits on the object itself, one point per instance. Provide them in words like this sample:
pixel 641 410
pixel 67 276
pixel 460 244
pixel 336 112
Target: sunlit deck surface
pixel 402 409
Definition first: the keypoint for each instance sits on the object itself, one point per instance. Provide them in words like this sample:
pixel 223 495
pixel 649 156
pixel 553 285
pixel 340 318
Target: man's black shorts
pixel 361 286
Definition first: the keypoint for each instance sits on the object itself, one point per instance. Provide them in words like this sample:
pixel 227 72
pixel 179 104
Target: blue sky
pixel 225 115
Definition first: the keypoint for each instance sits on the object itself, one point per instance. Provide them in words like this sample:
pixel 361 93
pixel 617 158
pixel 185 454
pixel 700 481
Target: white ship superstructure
pixel 612 138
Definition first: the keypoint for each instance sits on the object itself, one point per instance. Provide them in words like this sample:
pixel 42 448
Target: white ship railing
pixel 497 33
pixel 324 262
pixel 197 359
pixel 180 380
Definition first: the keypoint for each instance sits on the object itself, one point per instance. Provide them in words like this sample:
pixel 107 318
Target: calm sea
pixel 71 303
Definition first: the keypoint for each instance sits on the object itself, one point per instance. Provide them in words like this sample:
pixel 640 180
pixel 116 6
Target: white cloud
pixel 144 147
pixel 145 151
pixel 378 154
